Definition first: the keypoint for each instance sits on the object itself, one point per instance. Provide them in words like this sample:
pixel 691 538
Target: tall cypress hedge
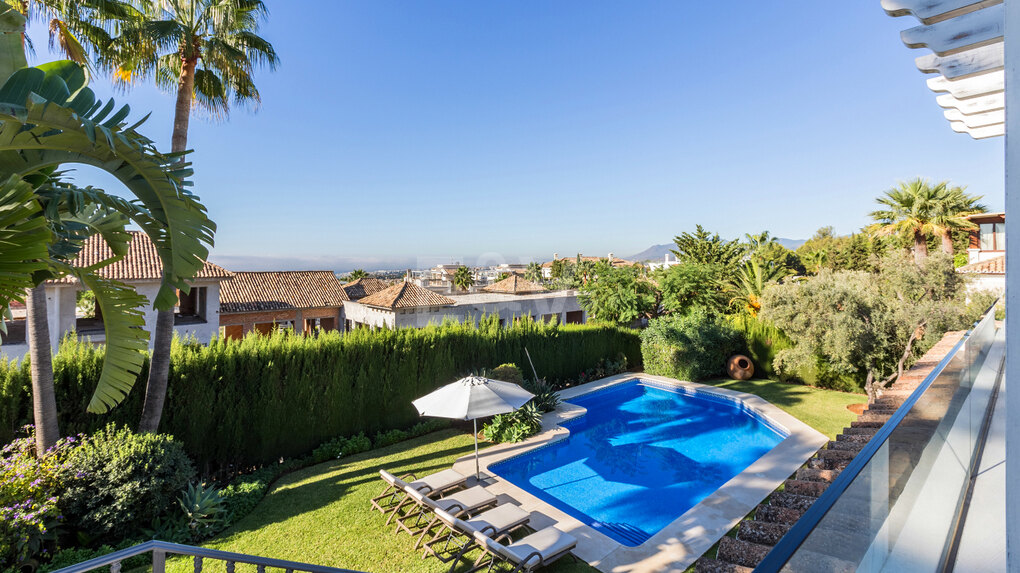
pixel 249 402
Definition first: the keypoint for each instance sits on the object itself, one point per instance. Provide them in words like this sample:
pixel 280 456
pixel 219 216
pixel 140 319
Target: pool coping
pixel 680 543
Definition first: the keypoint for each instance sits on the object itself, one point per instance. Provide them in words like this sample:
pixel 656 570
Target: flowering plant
pixel 29 488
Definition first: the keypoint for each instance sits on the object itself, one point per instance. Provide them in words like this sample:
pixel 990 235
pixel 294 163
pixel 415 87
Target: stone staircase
pixel 766 525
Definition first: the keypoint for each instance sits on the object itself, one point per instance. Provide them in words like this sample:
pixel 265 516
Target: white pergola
pixel 975 65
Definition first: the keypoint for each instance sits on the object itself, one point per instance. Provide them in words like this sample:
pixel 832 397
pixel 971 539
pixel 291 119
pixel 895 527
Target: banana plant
pixel 50 118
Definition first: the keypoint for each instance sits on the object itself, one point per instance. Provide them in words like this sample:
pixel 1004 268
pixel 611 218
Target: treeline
pixel 245 403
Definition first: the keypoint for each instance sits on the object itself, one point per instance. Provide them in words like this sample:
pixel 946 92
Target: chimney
pixel 556 256
pixel 610 258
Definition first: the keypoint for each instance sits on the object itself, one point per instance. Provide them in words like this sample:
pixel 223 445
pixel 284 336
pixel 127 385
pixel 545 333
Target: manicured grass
pixel 823 410
pixel 321 514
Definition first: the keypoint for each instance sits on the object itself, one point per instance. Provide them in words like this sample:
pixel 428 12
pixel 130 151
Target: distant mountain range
pixel 657 252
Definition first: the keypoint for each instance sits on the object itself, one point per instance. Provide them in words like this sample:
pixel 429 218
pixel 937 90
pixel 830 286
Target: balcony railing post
pixel 158 561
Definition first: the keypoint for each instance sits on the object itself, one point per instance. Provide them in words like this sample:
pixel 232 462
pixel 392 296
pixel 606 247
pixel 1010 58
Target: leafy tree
pixel 463 278
pixel 618 295
pixel 205 51
pixel 760 240
pixel 816 260
pixel 584 270
pixel 687 287
pixel 703 247
pixel 910 211
pixel 860 329
pixel 356 274
pixel 503 275
pixel 534 272
pixel 49 117
pixel 561 269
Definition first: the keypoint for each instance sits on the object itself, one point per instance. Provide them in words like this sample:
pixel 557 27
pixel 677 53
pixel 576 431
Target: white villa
pixel 408 305
pixel 197 313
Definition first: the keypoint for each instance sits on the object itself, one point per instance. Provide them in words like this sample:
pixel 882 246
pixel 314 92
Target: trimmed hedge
pixel 241 404
pixel 691 347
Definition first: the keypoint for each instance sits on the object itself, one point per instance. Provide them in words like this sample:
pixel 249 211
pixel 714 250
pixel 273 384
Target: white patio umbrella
pixel 472 398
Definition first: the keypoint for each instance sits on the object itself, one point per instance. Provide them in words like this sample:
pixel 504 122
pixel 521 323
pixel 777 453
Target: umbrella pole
pixel 477 471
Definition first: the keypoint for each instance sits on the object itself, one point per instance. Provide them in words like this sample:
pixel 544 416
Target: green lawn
pixel 823 410
pixel 321 514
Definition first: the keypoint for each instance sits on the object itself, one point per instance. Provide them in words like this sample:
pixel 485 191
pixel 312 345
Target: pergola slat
pixel 963 64
pixel 975 105
pixel 978 119
pixel 931 11
pixel 979 132
pixel 973 86
pixel 957 34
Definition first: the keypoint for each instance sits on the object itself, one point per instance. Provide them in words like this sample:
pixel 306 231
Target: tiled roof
pixel 996 266
pixel 515 284
pixel 280 290
pixel 140 264
pixel 406 295
pixel 363 287
pixel 616 262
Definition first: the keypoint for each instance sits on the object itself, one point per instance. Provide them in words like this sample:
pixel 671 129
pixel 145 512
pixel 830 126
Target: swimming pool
pixel 642 456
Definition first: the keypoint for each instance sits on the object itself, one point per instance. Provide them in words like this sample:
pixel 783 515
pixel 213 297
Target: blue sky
pixel 404 133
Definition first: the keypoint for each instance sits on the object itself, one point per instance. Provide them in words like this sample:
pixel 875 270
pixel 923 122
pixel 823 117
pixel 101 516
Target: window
pixel 993 236
pixel 191 306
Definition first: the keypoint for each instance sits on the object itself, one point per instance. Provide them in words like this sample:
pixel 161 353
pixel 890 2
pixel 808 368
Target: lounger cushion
pixel 500 518
pixel 440 481
pixel 548 542
pixel 466 500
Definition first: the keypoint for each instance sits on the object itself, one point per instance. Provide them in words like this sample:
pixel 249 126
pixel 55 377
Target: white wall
pixel 468 306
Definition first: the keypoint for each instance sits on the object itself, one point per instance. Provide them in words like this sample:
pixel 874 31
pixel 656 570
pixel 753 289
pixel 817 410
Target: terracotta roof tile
pixel 996 266
pixel 363 287
pixel 141 263
pixel 406 295
pixel 515 284
pixel 280 290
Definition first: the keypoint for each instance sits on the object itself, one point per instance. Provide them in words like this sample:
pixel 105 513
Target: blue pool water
pixel 641 457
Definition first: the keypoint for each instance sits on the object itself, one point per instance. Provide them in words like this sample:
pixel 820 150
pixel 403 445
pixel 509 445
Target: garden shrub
pixel 118 481
pixel 515 426
pixel 763 342
pixel 546 398
pixel 383 439
pixel 507 373
pixel 74 555
pixel 29 490
pixel 691 347
pixel 227 402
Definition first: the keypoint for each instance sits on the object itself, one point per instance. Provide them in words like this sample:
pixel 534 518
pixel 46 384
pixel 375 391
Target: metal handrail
pixel 802 528
pixel 160 549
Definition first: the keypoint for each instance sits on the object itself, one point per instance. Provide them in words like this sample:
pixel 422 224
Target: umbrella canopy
pixel 472 398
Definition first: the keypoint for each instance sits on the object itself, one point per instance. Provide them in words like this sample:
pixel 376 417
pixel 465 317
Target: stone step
pixel 846 446
pixel 859 423
pixel 836 454
pixel 874 417
pixel 805 487
pixel 809 474
pixel 791 500
pixel 829 463
pixel 857 438
pixel 706 565
pixel 866 431
pixel 776 514
pixel 762 532
pixel 741 552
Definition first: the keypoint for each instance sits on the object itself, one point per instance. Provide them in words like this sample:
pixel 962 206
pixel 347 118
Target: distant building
pixel 360 288
pixel 305 301
pixel 986 254
pixel 668 260
pixel 547 266
pixel 196 314
pixel 410 305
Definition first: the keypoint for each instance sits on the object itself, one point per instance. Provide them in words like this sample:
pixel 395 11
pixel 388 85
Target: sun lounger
pixel 460 533
pixel 525 555
pixel 430 485
pixel 465 502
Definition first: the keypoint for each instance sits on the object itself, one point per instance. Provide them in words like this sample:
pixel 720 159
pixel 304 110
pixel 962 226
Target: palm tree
pixel 463 279
pixel 750 282
pixel 816 260
pixel 77 27
pixel 534 272
pixel 206 51
pixel 357 274
pixel 951 215
pixel 49 117
pixel 910 211
pixel 762 239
